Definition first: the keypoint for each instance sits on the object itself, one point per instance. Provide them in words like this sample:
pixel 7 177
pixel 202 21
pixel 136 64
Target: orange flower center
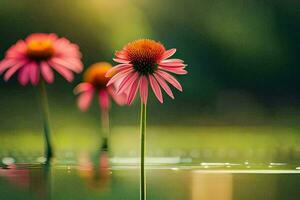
pixel 144 55
pixel 40 49
pixel 95 74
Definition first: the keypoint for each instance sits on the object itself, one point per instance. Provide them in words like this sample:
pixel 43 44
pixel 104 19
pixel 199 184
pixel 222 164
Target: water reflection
pixel 33 179
pixel 17 177
pixel 95 171
pixel 211 186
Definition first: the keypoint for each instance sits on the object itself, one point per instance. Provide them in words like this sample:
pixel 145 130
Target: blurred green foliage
pixel 242 56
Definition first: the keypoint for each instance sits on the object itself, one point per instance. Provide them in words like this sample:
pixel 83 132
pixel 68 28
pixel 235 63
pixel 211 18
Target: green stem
pixel 105 128
pixel 143 141
pixel 46 124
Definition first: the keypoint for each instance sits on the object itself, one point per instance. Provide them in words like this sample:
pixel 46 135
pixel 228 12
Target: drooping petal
pixel 117 69
pixel 173 70
pixel 164 85
pixel 67 74
pixel 170 79
pixel 85 99
pixel 168 54
pixel 63 63
pixel 119 75
pixel 133 91
pixel 83 87
pixel 120 99
pixel 156 89
pixel 23 75
pixel 103 99
pixel 34 73
pixel 144 89
pixel 7 63
pixel 127 81
pixel 47 72
pixel 13 70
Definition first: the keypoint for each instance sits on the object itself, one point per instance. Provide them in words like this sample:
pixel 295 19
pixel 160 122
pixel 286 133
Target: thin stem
pixel 46 124
pixel 143 141
pixel 105 128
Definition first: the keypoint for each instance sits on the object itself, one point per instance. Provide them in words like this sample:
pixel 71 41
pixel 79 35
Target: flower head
pixel 38 55
pixel 145 61
pixel 95 82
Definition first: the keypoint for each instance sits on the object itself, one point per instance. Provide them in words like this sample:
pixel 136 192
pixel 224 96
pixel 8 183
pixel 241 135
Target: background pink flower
pixel 95 82
pixel 142 62
pixel 38 55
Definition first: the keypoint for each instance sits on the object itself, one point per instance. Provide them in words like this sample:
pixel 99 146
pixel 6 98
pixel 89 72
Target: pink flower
pixel 95 82
pixel 145 61
pixel 38 55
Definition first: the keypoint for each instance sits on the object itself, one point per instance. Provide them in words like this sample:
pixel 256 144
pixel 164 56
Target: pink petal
pixel 164 85
pixel 118 60
pixel 67 74
pixel 23 75
pixel 126 82
pixel 64 63
pixel 168 54
pixel 121 55
pixel 85 99
pixel 170 79
pixel 47 72
pixel 83 87
pixel 34 73
pixel 173 70
pixel 7 63
pixel 117 69
pixel 172 61
pixel 144 89
pixel 156 89
pixel 118 76
pixel 120 99
pixel 133 91
pixel 13 70
pixel 103 99
pixel 172 64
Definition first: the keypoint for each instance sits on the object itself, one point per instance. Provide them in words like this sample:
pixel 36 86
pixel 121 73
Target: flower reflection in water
pixel 34 179
pixel 95 172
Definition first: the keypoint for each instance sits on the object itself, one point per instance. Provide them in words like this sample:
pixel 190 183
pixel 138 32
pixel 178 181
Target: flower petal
pixel 121 55
pixel 119 76
pixel 168 54
pixel 172 61
pixel 83 87
pixel 13 70
pixel 116 69
pixel 132 92
pixel 67 74
pixel 62 62
pixel 103 99
pixel 144 89
pixel 173 70
pixel 85 99
pixel 47 72
pixel 7 63
pixel 164 85
pixel 119 99
pixel 172 64
pixel 23 75
pixel 156 89
pixel 127 81
pixel 118 60
pixel 34 73
pixel 170 79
